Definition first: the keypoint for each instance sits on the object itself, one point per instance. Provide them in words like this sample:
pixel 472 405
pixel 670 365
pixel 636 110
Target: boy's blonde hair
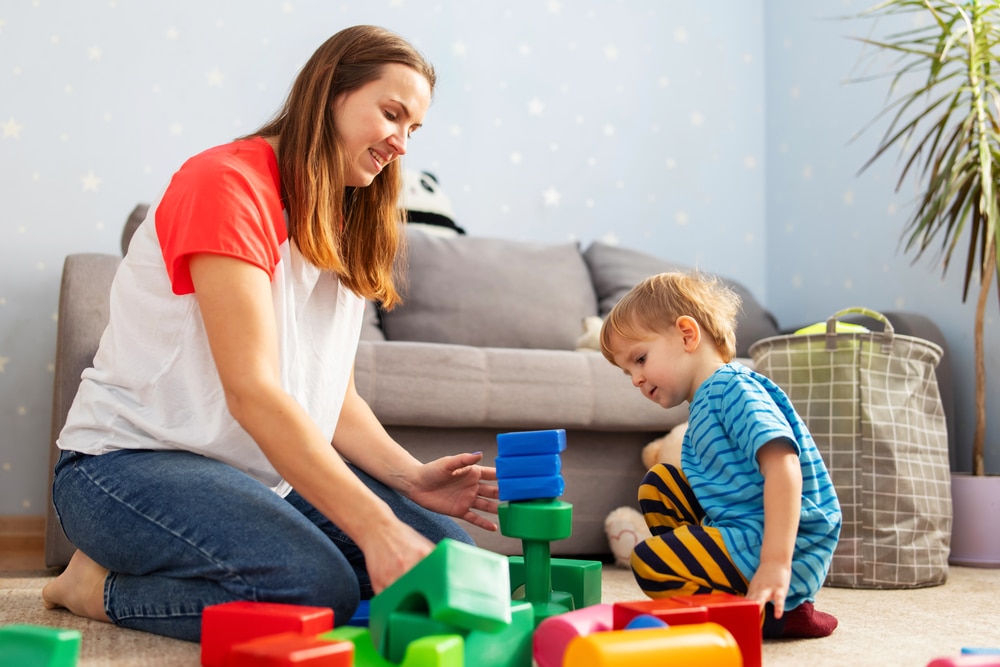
pixel 654 305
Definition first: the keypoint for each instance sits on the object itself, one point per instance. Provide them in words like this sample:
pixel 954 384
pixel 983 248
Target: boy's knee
pixel 660 473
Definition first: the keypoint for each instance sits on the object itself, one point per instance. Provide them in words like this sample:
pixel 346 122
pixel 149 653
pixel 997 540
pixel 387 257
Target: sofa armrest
pixel 83 315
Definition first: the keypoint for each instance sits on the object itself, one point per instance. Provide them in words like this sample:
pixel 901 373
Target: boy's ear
pixel 690 332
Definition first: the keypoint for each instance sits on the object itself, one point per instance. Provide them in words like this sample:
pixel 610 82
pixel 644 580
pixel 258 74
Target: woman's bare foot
pixel 80 588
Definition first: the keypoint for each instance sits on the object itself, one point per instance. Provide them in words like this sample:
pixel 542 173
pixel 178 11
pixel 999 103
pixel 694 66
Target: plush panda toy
pixel 426 205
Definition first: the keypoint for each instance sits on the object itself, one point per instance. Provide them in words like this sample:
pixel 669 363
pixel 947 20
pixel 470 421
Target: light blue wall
pixel 641 122
pixel 834 235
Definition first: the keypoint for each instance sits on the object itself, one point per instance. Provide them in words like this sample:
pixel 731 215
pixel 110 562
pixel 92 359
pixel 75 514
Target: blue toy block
pixel 361 614
pixel 536 465
pixel 38 645
pixel 644 622
pixel 531 488
pixel 526 443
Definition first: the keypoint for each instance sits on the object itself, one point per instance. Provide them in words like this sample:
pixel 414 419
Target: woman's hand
pixel 392 552
pixel 455 486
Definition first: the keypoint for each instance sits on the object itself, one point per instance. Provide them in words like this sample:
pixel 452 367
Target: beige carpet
pixel 877 628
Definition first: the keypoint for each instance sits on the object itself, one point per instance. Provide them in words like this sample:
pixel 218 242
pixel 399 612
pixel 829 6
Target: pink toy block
pixel 702 644
pixel 291 649
pixel 742 617
pixel 668 610
pixel 554 634
pixel 224 625
pixel 967 661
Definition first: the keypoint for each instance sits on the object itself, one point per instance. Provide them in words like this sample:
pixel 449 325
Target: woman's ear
pixel 690 332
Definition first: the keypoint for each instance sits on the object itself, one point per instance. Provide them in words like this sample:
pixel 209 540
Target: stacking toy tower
pixel 529 475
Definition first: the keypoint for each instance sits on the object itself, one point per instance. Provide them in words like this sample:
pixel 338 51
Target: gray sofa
pixel 485 343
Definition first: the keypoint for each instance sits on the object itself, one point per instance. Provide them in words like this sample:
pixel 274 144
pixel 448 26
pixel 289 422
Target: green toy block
pixel 543 520
pixel 580 578
pixel 510 647
pixel 429 651
pixel 39 646
pixel 458 584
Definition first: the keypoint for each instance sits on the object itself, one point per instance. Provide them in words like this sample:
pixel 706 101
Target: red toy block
pixel 224 625
pixel 967 661
pixel 668 610
pixel 702 644
pixel 291 649
pixel 554 634
pixel 742 617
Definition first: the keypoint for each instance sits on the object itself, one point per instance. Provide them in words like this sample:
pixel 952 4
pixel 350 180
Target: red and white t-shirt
pixel 154 384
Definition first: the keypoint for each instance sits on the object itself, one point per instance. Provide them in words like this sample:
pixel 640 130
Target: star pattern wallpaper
pixel 723 135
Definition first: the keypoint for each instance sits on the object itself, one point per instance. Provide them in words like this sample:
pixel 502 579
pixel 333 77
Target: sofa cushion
pixel 616 270
pixel 457 386
pixel 489 292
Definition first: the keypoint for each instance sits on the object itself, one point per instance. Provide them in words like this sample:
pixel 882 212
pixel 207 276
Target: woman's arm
pixel 779 464
pixel 236 306
pixel 452 485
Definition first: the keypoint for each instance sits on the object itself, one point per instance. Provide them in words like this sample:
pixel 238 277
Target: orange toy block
pixel 224 625
pixel 291 649
pixel 702 644
pixel 668 610
pixel 742 617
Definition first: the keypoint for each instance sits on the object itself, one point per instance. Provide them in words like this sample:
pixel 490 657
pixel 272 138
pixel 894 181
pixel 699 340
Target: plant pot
pixel 975 529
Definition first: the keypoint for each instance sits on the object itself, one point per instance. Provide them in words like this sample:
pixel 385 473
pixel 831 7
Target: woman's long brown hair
pixel 354 232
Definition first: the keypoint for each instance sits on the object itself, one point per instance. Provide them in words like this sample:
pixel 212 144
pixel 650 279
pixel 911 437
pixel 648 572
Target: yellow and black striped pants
pixel 682 557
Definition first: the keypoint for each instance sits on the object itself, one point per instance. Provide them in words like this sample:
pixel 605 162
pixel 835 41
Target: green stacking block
pixel 581 579
pixel 539 520
pixel 457 584
pixel 510 647
pixel 429 651
pixel 38 646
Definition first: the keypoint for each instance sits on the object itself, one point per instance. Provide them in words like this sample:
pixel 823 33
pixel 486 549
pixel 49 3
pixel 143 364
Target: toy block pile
pixel 971 657
pixel 465 606
pixel 529 476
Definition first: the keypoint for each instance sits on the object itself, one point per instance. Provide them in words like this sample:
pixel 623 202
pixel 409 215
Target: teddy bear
pixel 625 526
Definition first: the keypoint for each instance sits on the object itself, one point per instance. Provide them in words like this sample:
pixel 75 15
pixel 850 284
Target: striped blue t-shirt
pixel 734 413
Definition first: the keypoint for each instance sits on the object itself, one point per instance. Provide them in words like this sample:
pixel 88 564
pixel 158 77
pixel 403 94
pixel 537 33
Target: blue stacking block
pixel 361 615
pixel 526 443
pixel 539 465
pixel 531 488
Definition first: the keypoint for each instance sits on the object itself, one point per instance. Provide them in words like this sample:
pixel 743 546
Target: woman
pixel 197 465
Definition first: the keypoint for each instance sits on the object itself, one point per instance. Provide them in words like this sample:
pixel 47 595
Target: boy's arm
pixel 779 464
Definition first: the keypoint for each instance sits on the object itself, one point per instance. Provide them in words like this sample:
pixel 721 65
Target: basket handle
pixel 831 326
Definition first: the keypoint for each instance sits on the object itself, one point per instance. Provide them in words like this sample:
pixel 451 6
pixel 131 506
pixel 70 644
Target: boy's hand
pixel 770 584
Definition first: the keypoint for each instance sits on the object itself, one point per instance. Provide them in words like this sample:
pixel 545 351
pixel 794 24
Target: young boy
pixel 752 511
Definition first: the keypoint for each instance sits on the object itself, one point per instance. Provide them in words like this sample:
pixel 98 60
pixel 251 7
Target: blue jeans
pixel 179 532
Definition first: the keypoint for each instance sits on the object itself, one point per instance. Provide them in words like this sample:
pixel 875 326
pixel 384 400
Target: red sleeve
pixel 225 201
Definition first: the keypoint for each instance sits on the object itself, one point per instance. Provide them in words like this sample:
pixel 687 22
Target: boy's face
pixel 658 365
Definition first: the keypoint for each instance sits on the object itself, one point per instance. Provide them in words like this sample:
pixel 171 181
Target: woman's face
pixel 376 120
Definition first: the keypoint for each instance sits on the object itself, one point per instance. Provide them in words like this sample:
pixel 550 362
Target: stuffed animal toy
pixel 426 205
pixel 625 526
pixel 590 339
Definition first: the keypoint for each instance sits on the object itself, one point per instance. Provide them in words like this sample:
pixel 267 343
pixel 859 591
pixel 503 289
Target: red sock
pixel 803 622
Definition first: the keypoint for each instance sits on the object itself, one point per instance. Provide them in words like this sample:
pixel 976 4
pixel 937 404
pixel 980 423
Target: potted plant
pixel 947 129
